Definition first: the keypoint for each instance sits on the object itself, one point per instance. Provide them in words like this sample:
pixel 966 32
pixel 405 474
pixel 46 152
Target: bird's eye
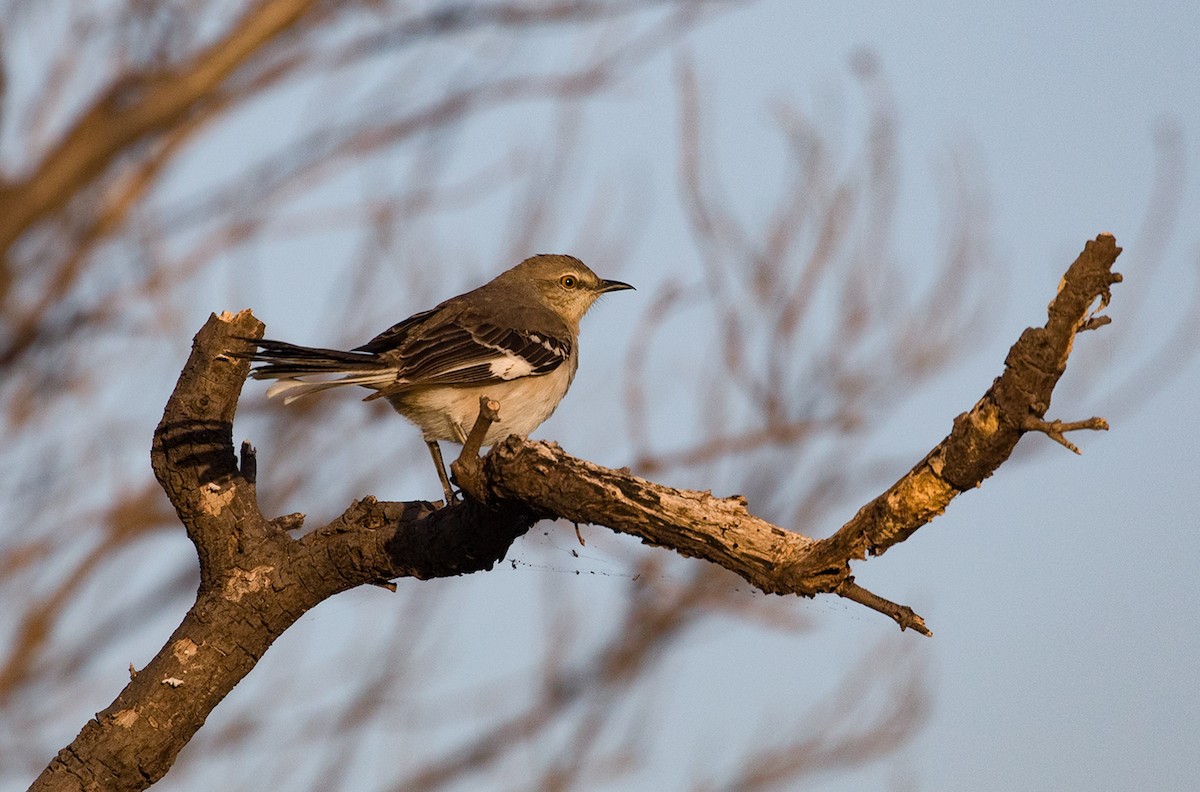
pixel 568 281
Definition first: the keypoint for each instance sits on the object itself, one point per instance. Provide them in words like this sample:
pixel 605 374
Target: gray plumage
pixel 514 339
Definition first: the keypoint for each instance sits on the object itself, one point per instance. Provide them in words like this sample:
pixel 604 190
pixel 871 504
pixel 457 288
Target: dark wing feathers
pixel 430 348
pixel 282 360
pixel 452 354
pixel 395 336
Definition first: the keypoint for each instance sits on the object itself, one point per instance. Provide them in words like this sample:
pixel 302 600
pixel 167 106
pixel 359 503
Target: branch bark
pixel 778 561
pixel 256 579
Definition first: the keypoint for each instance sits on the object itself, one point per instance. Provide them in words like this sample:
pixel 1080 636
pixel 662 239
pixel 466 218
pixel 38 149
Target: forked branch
pixel 257 579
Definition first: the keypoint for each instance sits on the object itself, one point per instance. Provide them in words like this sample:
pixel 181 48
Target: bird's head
pixel 564 283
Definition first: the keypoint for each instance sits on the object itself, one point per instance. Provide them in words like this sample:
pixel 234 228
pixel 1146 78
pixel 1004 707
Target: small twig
pixel 385 584
pixel 579 536
pixel 468 468
pixel 489 413
pixel 1094 322
pixel 1055 429
pixel 901 614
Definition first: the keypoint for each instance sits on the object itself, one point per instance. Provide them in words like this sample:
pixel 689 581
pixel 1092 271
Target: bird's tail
pixel 291 365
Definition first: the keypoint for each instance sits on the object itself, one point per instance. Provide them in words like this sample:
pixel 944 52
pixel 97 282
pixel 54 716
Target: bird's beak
pixel 612 285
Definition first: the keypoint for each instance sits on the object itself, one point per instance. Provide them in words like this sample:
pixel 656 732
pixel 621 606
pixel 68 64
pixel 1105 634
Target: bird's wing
pixel 395 336
pixel 458 348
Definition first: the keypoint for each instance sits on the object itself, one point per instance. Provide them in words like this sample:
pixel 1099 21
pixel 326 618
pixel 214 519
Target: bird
pixel 514 339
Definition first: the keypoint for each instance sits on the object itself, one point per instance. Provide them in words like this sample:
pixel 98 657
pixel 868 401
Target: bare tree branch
pixel 134 109
pixel 778 561
pixel 256 580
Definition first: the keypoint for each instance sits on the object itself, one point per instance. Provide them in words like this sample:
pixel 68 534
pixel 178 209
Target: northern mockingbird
pixel 514 340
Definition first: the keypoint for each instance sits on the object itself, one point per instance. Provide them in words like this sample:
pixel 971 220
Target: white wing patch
pixel 510 367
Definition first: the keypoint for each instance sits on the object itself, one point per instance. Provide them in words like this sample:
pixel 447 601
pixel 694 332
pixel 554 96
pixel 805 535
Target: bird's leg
pixel 436 452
